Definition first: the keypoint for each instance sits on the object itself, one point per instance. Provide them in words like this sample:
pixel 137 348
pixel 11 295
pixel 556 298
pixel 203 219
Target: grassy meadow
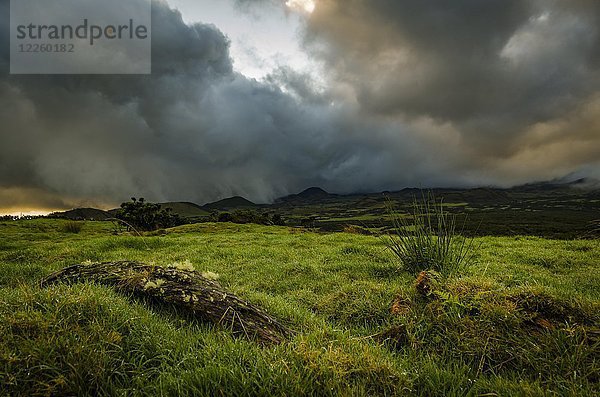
pixel 521 319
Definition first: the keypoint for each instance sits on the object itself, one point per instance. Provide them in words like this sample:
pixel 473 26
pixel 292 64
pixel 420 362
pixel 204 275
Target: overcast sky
pixel 263 98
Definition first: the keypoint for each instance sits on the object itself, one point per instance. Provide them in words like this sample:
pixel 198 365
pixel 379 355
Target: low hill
pixel 585 184
pixel 229 204
pixel 557 209
pixel 310 195
pixel 185 209
pixel 313 192
pixel 87 214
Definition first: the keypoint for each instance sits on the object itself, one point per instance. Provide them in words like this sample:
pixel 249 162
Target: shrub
pixel 277 220
pixel 73 227
pixel 244 216
pixel 249 216
pixel 427 239
pixel 142 215
pixel 309 222
pixel 224 217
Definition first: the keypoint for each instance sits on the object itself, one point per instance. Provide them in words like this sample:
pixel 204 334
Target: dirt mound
pixel 494 329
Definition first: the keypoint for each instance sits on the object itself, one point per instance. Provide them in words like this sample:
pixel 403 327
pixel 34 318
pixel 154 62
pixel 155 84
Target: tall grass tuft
pixel 72 227
pixel 427 238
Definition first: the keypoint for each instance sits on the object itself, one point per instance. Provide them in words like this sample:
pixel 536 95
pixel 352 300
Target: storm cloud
pixel 514 78
pixel 417 93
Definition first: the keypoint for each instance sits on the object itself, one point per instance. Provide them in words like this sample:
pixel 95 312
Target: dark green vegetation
pixel 141 215
pixel 552 210
pixel 521 319
pixel 564 211
pixel 244 216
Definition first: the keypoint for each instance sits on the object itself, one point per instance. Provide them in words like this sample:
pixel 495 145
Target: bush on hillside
pixel 249 216
pixel 142 215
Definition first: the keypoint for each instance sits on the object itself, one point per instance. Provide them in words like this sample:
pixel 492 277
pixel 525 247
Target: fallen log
pixel 187 290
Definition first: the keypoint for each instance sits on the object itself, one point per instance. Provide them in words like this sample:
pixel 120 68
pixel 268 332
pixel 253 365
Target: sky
pixel 261 40
pixel 263 98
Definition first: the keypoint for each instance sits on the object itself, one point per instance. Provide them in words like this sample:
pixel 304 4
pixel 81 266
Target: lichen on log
pixel 187 290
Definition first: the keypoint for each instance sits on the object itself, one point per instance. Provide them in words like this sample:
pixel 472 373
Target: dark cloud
pixel 421 93
pixel 494 69
pixel 194 130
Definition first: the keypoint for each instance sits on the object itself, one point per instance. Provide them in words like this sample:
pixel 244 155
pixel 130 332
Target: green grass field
pixel 523 319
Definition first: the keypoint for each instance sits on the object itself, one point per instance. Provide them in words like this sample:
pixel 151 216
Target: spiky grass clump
pixel 427 238
pixel 73 227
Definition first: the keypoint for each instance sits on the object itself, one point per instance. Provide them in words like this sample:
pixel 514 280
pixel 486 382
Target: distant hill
pixel 310 195
pixel 229 204
pixel 313 192
pixel 581 183
pixel 586 184
pixel 565 208
pixel 88 214
pixel 185 209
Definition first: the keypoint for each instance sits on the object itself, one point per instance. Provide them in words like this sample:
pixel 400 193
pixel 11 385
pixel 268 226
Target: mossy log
pixel 187 290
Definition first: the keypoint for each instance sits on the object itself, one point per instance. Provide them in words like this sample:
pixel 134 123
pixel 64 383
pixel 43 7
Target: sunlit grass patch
pixel 519 320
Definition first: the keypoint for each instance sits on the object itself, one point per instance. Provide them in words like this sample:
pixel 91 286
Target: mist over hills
pixel 558 208
pixel 315 194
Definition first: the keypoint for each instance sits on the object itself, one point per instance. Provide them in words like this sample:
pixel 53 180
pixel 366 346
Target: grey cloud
pixel 194 130
pixel 493 69
pixel 446 60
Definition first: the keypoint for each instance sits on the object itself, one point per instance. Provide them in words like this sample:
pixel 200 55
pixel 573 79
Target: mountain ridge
pixel 316 195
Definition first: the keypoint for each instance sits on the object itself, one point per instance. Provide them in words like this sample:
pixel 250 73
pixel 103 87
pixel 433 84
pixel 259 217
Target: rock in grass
pixel 187 290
